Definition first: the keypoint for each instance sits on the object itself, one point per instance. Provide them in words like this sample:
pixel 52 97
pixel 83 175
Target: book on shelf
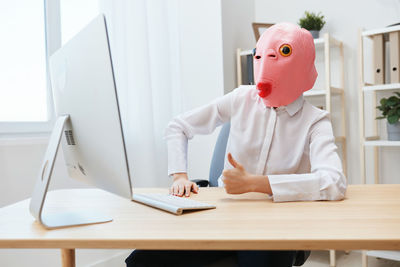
pixel 394 39
pixel 379 59
pixel 250 71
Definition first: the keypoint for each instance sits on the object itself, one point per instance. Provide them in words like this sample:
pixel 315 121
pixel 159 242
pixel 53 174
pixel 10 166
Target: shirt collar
pixel 293 107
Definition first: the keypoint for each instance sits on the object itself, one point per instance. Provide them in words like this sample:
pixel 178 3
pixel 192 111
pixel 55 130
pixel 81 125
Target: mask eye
pixel 254 54
pixel 285 50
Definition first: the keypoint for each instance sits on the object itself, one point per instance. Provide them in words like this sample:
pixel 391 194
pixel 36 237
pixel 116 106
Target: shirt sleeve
pixel 326 180
pixel 202 120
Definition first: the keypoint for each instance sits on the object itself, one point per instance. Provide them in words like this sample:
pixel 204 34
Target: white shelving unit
pixel 381 143
pixel 326 43
pixel 381 87
pixel 373 141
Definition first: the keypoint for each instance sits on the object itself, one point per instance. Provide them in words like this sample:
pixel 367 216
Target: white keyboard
pixel 170 203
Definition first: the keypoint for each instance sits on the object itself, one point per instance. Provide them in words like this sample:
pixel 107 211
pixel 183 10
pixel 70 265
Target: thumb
pixel 233 162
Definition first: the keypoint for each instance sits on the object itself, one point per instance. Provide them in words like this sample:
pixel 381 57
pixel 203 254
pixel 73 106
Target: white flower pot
pixel 315 34
pixel 393 131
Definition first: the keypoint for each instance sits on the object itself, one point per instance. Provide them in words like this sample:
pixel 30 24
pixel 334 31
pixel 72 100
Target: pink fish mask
pixel 284 64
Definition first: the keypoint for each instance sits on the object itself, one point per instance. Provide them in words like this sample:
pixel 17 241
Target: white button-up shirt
pixel 293 145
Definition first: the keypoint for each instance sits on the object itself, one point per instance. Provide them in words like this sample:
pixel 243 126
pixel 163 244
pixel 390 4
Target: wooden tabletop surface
pixel 369 218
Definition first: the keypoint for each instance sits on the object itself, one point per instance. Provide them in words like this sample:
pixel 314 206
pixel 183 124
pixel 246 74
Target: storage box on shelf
pixel 380 85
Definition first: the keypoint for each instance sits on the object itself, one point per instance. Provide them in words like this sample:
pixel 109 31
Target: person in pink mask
pixel 279 144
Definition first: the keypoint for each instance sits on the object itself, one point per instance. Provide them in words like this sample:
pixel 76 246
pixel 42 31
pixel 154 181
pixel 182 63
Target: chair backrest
pixel 218 158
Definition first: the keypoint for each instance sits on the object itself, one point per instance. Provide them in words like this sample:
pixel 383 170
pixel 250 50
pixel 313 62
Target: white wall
pixel 201 79
pixel 201 71
pixel 237 32
pixel 344 18
pixel 19 168
pixel 233 19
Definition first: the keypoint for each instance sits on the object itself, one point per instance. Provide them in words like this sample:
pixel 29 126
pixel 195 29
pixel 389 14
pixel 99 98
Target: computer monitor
pixel 88 126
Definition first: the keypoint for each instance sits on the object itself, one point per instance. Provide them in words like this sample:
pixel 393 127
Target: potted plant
pixel 390 108
pixel 312 22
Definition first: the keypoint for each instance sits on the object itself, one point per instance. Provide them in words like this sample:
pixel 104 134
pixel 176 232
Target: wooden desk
pixel 369 218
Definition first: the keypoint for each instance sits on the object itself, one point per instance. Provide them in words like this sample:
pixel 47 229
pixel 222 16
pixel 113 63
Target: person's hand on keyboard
pixel 182 186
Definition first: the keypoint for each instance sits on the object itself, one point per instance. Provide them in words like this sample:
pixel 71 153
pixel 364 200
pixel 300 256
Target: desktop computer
pixel 89 130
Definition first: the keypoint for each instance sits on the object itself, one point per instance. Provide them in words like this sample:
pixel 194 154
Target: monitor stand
pixel 59 219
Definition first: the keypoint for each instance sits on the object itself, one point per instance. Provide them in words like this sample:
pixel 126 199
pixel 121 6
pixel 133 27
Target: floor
pixel 353 259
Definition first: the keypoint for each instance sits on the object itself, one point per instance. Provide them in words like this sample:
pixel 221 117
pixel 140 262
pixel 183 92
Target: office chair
pixel 216 168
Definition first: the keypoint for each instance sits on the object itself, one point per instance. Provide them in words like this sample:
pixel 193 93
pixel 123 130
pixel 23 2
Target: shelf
pixel 314 92
pixel 317 42
pixel 249 86
pixel 340 139
pixel 332 40
pixel 246 52
pixel 382 87
pixel 381 30
pixel 321 92
pixel 372 138
pixel 373 141
pixel 381 143
pixel 385 254
pixel 336 90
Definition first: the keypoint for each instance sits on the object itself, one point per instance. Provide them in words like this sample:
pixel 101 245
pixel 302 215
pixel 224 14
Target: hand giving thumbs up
pixel 239 181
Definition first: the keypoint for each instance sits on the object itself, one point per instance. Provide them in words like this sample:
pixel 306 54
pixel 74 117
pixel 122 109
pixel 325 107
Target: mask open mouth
pixel 264 89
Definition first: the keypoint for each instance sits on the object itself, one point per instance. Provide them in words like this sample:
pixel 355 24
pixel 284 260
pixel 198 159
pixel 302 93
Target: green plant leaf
pixel 379 118
pixel 383 101
pixel 392 119
pixel 391 101
pixel 398 112
pixel 312 21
